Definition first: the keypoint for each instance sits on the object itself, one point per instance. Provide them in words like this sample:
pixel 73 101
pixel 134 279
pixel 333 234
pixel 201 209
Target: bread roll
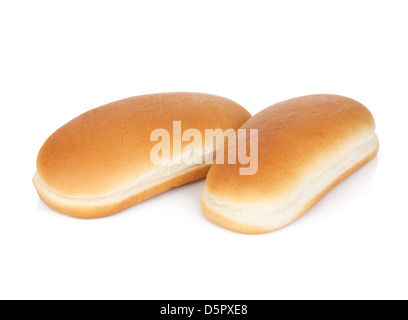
pixel 306 147
pixel 99 163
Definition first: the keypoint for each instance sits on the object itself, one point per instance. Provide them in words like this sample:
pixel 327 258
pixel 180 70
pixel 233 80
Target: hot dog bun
pixel 307 146
pixel 99 163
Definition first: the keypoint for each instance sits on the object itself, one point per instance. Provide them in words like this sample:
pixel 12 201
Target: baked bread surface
pixel 306 146
pixel 99 163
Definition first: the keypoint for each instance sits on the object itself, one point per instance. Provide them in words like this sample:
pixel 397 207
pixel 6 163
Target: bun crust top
pixel 109 147
pixel 297 139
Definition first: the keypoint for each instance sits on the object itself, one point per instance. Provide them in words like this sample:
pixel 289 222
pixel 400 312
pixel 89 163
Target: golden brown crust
pixel 86 165
pixel 108 147
pixel 295 137
pixel 229 224
pixel 96 211
pixel 307 145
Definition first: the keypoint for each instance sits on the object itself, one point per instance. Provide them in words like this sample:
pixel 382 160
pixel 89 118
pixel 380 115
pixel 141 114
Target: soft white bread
pixel 99 163
pixel 307 146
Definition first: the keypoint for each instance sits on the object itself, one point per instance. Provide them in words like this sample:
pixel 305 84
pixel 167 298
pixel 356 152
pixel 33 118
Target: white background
pixel 59 59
